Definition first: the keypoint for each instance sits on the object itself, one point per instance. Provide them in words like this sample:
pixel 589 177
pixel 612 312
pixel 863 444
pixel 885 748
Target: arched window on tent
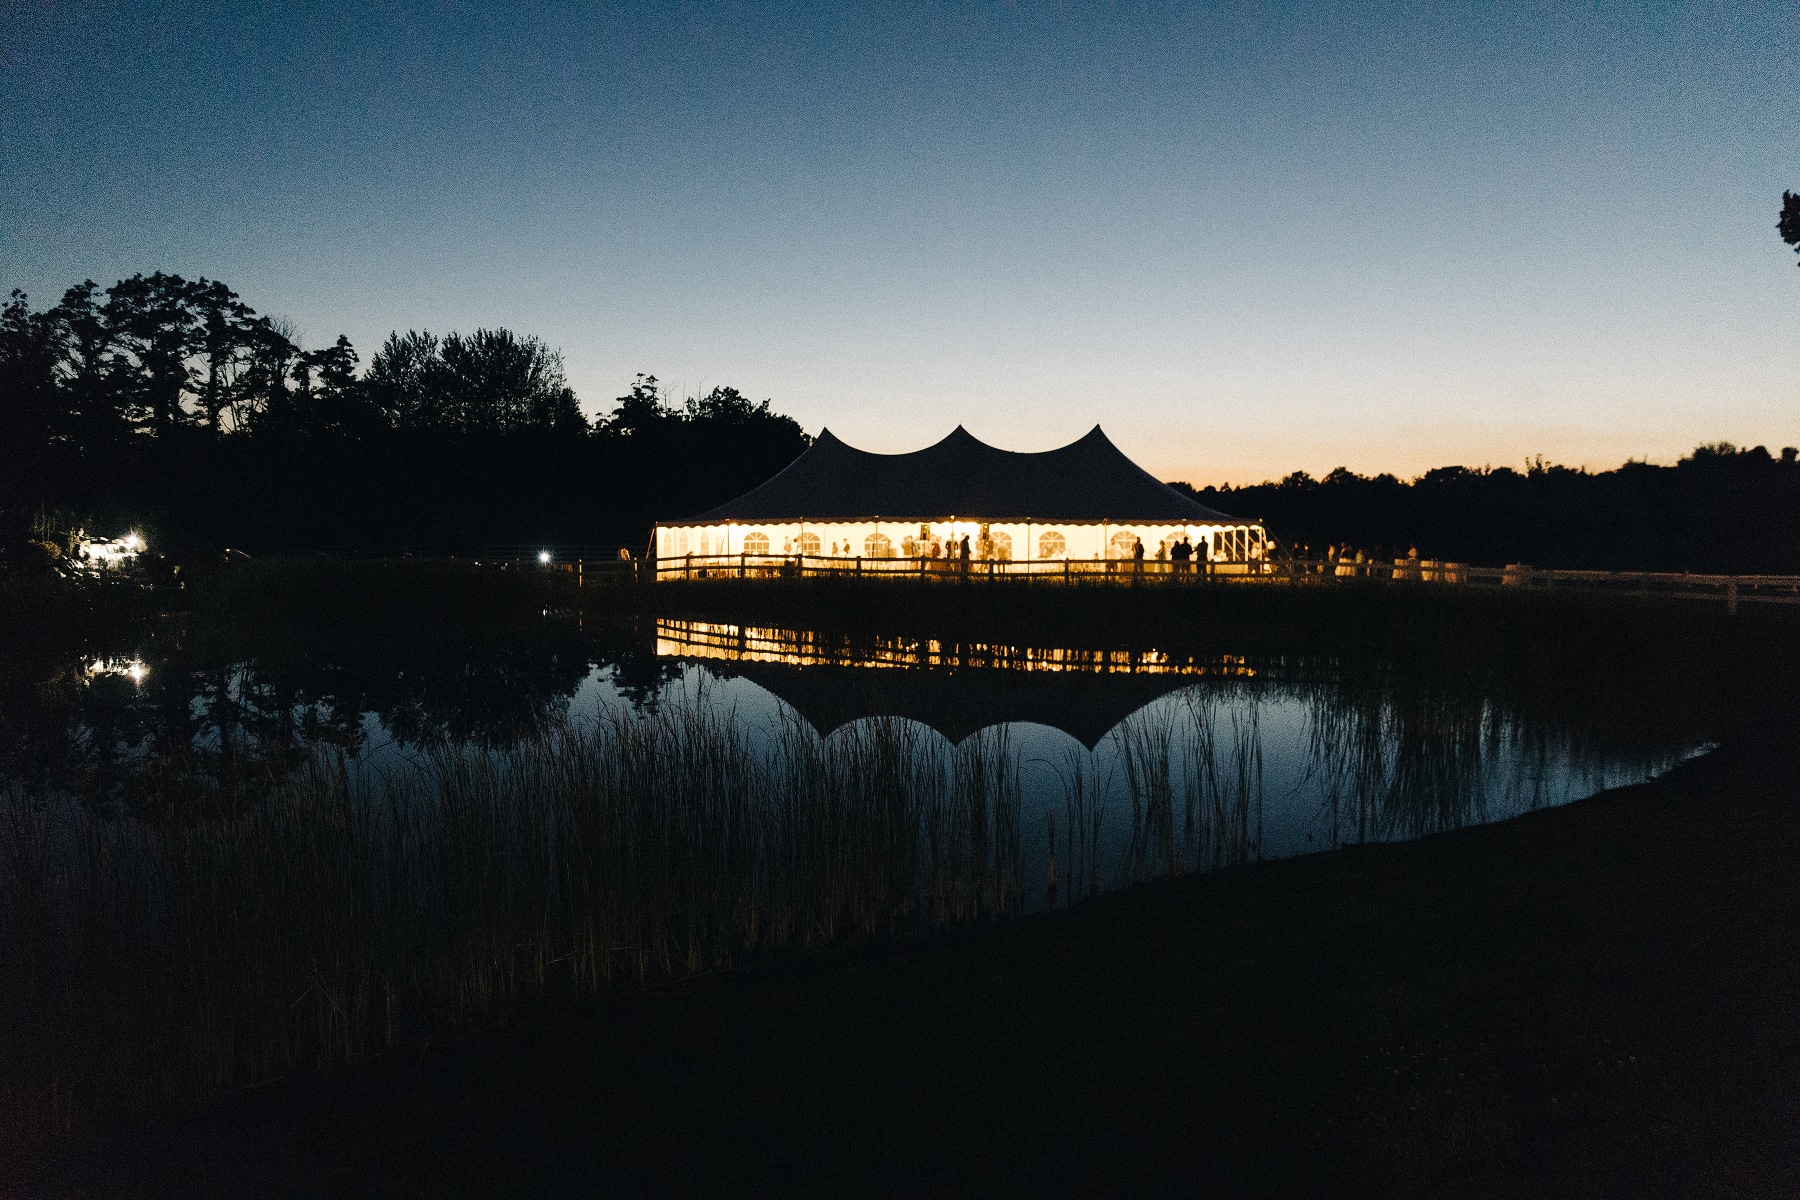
pixel 706 541
pixel 682 541
pixel 1002 544
pixel 876 545
pixel 1052 544
pixel 756 542
pixel 1122 544
pixel 809 543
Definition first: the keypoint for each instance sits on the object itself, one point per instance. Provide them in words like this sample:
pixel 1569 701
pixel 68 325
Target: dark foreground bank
pixel 1601 999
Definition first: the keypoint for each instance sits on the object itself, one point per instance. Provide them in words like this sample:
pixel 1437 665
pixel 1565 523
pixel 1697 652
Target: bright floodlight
pixel 544 557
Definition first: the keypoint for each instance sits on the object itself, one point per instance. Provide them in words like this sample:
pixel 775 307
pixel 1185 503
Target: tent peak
pixel 1089 479
pixel 958 438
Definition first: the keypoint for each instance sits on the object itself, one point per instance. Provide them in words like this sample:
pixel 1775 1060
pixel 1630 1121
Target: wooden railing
pixel 1731 589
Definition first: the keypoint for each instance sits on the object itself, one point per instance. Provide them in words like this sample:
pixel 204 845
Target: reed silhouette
pixel 338 910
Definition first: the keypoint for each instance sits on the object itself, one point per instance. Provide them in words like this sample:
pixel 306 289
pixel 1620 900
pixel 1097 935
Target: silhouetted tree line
pixel 171 402
pixel 1719 510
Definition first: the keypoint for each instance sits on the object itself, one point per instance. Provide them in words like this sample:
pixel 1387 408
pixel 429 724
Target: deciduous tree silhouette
pixel 87 376
pixel 224 340
pixel 1789 224
pixel 640 412
pixel 172 403
pixel 156 332
pixel 1721 509
pixel 34 415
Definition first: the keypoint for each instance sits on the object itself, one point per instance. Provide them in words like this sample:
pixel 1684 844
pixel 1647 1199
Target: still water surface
pixel 1244 761
pixel 233 850
pixel 1237 759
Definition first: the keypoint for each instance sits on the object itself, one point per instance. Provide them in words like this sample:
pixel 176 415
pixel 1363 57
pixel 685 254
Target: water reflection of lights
pixel 804 648
pixel 131 668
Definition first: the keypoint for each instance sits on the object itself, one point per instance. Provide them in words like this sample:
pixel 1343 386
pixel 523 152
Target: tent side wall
pixel 999 540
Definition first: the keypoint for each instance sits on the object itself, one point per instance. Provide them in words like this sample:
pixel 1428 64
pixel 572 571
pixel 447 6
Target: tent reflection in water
pixel 1084 502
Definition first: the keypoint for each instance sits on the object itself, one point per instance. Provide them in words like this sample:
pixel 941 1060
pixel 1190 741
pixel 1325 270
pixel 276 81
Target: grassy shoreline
pixel 1593 999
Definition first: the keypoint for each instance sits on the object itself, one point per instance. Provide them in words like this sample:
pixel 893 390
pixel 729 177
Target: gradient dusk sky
pixel 1245 239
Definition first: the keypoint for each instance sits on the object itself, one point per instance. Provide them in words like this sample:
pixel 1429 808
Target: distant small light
pixel 544 557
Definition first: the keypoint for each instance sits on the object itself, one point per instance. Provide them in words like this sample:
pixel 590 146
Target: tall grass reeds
pixel 1393 762
pixel 1193 774
pixel 1084 812
pixel 341 910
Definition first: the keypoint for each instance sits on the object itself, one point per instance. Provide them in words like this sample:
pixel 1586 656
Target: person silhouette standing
pixel 963 553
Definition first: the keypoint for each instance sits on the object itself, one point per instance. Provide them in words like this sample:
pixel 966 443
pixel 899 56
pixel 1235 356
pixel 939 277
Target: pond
pixel 234 849
pixel 1168 762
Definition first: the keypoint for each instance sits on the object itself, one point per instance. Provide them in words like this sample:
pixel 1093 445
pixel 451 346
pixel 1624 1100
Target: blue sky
pixel 1245 239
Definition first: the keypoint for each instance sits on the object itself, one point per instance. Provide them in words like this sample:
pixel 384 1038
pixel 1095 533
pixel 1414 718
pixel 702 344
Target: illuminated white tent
pixel 1085 500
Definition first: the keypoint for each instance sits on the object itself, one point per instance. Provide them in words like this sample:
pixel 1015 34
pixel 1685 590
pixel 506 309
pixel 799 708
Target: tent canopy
pixel 1086 481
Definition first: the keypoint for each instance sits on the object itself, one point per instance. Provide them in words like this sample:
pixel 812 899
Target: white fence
pixel 1731 589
